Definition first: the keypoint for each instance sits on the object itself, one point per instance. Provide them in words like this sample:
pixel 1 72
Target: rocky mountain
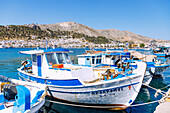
pixel 124 35
pixel 108 33
pixel 71 26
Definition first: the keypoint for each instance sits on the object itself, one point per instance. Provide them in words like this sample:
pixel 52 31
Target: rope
pixel 165 86
pixel 145 103
pixel 131 82
pixel 157 90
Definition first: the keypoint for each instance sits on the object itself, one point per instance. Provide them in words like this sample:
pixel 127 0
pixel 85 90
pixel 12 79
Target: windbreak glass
pixel 98 60
pixel 67 57
pixel 51 59
pixel 93 59
pixel 34 58
pixel 60 58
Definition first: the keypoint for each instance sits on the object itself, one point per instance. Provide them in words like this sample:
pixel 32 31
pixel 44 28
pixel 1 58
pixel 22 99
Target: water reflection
pixel 50 107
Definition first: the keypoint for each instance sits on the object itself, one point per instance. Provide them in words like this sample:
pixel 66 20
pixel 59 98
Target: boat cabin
pixel 109 58
pixel 43 60
pixel 90 59
pixel 48 65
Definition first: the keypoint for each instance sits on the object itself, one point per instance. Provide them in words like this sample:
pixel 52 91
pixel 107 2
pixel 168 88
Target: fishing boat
pixel 157 66
pixel 20 96
pixel 162 51
pixel 113 60
pixel 81 86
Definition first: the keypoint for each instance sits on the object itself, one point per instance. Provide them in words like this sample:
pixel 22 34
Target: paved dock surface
pixel 163 108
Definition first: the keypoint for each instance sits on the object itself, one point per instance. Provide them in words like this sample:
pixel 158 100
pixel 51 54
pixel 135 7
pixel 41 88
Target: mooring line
pixel 157 90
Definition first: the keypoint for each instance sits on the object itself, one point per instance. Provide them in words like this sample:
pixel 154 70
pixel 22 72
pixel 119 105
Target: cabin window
pixel 93 59
pixel 98 60
pixel 34 58
pixel 60 58
pixel 51 59
pixel 67 57
pixel 108 56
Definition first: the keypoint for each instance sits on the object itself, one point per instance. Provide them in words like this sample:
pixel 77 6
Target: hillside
pixel 71 26
pixel 108 33
pixel 69 30
pixel 33 32
pixel 123 35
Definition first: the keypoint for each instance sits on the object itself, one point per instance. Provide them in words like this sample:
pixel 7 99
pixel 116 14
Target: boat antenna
pixel 46 42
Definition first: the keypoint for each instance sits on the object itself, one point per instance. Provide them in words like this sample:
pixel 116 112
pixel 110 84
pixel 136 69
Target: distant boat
pixel 158 66
pixel 20 96
pixel 162 51
pixel 81 86
pixel 110 57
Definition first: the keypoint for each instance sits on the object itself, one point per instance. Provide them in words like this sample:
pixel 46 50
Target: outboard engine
pixel 10 91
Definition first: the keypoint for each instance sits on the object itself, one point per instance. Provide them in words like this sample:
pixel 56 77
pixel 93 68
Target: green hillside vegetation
pixel 20 32
pixel 24 32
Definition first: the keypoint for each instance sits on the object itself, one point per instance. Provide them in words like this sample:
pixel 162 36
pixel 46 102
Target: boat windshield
pixel 51 59
pixel 67 58
pixel 60 58
pixel 98 60
pixel 93 59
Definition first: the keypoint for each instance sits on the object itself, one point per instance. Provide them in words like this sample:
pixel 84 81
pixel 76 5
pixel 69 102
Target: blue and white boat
pixel 157 66
pixel 79 85
pixel 20 96
pixel 98 59
pixel 162 51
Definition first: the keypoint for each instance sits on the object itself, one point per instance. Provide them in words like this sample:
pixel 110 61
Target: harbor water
pixel 10 60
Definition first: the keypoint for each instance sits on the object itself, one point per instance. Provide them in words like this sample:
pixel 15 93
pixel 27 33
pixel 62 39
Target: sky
pixel 149 18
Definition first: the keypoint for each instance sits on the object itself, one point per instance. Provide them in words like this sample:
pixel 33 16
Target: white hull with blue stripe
pixel 20 96
pixel 113 93
pixel 80 85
